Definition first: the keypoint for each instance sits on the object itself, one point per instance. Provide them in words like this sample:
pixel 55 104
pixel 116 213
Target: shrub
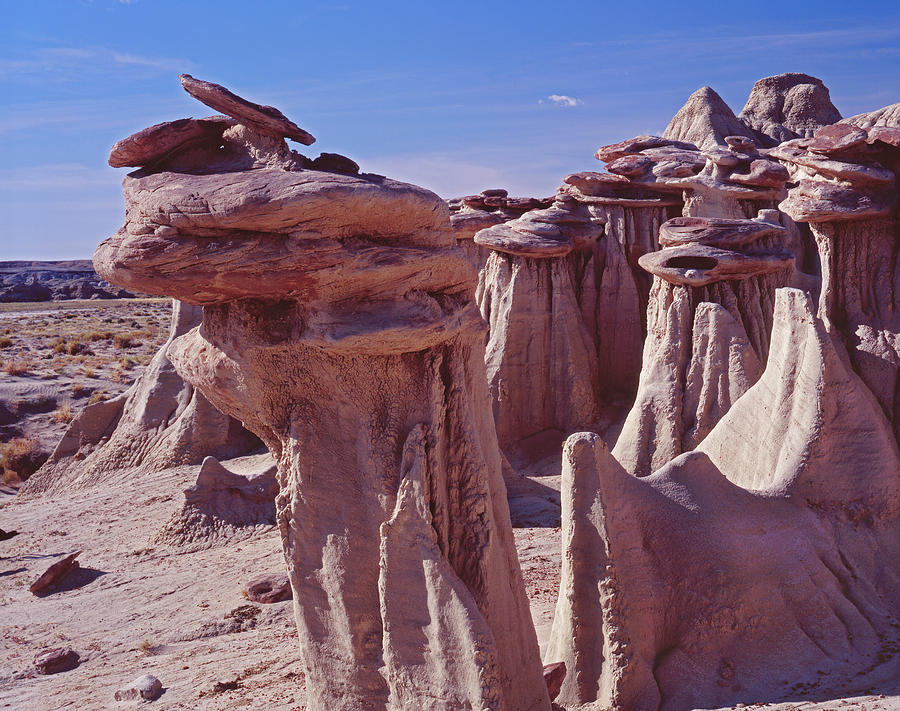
pixel 98 396
pixel 15 367
pixel 5 341
pixel 88 373
pixel 20 458
pixel 63 414
pixel 125 340
pixel 79 390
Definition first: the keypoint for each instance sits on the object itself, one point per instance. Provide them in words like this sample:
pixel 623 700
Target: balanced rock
pixel 846 188
pixel 541 353
pixel 473 213
pixel 339 325
pixel 262 119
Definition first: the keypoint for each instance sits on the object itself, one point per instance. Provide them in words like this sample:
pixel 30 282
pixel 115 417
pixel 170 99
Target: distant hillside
pixel 55 281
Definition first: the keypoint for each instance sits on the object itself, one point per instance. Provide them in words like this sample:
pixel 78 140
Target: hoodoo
pixel 709 322
pixel 339 325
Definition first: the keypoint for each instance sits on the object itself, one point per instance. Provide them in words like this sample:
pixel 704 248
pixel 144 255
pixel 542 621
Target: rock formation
pixel 759 564
pixel 709 321
pixel 472 213
pixel 886 116
pixel 621 289
pixel 705 121
pixel 847 189
pixel 787 106
pixel 224 504
pixel 536 291
pixel 54 281
pixel 160 421
pixel 338 324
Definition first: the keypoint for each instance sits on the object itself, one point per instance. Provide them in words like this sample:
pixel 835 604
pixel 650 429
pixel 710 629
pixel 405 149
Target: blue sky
pixel 452 96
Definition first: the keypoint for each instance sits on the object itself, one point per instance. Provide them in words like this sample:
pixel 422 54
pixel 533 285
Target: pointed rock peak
pixel 788 106
pixel 705 120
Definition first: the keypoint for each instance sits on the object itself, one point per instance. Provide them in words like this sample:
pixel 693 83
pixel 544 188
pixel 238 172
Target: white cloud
pixel 562 100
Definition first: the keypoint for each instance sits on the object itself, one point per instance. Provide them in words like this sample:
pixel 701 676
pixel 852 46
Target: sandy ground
pixel 182 616
pixel 56 357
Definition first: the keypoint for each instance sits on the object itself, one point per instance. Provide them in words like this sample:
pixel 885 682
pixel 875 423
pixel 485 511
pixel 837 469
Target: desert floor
pixel 181 615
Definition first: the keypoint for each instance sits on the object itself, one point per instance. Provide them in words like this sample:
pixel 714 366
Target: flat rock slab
pixel 158 141
pixel 54 574
pixel 58 659
pixel 268 588
pixel 144 688
pixel 265 119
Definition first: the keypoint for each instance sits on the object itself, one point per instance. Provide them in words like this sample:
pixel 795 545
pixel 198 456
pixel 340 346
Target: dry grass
pixel 15 367
pixel 98 396
pixel 20 458
pixel 63 414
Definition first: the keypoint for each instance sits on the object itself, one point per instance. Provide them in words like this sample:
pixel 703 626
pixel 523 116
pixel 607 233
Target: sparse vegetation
pixel 126 340
pixel 20 458
pixel 63 414
pixel 98 396
pixel 15 367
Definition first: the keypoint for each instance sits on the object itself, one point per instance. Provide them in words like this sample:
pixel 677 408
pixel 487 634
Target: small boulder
pixel 554 675
pixel 144 688
pixel 271 587
pixel 54 574
pixel 58 659
pixel 335 163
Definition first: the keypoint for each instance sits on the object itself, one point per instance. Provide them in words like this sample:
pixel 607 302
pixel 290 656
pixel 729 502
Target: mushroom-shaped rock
pixel 263 119
pixel 160 421
pixel 473 213
pixel 847 190
pixel 787 106
pixel 708 325
pixel 536 291
pixel 338 324
pixel 725 179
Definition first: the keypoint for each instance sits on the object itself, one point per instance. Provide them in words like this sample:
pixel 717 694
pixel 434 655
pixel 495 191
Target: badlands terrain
pixel 646 428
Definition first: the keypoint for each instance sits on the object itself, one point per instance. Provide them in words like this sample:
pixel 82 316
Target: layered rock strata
pixel 847 190
pixel 161 421
pixel 338 324
pixel 472 213
pixel 709 321
pixel 756 566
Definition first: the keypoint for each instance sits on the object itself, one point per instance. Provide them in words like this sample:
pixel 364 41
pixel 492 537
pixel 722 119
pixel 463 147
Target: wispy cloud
pixel 73 63
pixel 562 100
